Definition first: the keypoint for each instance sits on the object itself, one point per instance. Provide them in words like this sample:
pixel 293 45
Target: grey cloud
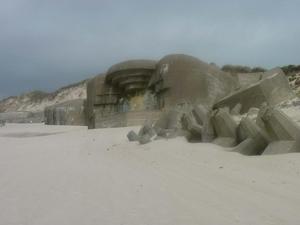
pixel 47 44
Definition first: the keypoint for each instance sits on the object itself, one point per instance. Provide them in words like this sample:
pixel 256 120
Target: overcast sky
pixel 45 44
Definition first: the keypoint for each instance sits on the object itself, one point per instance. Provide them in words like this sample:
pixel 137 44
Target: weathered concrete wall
pixel 133 118
pixel 137 87
pixel 102 99
pixel 67 113
pixel 182 78
pixel 112 98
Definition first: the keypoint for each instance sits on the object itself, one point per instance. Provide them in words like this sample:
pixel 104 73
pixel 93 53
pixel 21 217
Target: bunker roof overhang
pixel 132 75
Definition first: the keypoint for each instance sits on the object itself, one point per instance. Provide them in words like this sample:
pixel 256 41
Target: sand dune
pixel 74 176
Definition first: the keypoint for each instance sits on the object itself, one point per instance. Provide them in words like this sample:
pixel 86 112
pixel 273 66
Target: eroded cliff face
pixel 36 101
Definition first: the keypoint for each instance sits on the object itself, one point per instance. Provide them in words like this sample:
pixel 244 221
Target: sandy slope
pixel 73 176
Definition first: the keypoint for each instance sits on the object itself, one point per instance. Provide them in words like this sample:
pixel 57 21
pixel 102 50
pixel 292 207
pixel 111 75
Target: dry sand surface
pixel 60 175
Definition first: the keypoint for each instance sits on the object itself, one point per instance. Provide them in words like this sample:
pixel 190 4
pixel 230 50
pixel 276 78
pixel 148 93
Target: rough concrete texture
pixel 279 147
pixel 102 100
pixel 203 116
pixel 147 85
pixel 171 119
pixel 253 139
pixel 224 124
pixel 181 95
pixel 131 76
pixel 145 139
pixel 246 79
pixel 124 119
pixel 183 78
pixel 278 124
pixel 225 141
pixel 119 97
pixel 147 129
pixel 249 147
pixel 145 135
pixel 252 134
pixel 67 113
pixel 236 110
pixel 296 146
pixel 90 101
pixel 132 136
pixel 194 129
pixel 272 89
pixel 131 65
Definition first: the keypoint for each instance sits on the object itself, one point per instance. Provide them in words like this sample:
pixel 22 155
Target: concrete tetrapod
pixel 284 131
pixel 254 140
pixel 225 127
pixel 194 129
pixel 132 136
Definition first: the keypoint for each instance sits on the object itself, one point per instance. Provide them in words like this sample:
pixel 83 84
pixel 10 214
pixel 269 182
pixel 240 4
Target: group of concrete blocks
pixel 247 121
pixel 273 88
pixel 152 87
pixel 260 131
pixel 180 95
pixel 169 125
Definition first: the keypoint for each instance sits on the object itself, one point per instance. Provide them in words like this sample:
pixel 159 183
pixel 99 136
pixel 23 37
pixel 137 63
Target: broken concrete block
pixel 144 139
pixel 190 124
pixel 249 129
pixel 278 124
pixel 208 132
pixel 194 134
pixel 162 132
pixel 253 139
pixel 273 89
pixel 200 113
pixel 246 79
pixel 162 122
pixel 279 147
pixel 169 133
pixel 196 131
pixel 203 116
pixel 147 129
pixel 259 120
pixel 252 113
pixel 250 146
pixel 132 136
pixel 225 142
pixel 174 119
pixel 188 121
pixel 296 146
pixel 170 119
pixel 236 110
pixel 224 124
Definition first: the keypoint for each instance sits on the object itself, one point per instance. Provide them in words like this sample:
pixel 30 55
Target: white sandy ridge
pixel 68 175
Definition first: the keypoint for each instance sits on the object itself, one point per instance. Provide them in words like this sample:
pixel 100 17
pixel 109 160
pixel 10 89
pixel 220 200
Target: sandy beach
pixel 70 175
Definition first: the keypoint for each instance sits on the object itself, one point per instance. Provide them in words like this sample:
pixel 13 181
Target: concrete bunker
pixel 135 91
pixel 182 95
